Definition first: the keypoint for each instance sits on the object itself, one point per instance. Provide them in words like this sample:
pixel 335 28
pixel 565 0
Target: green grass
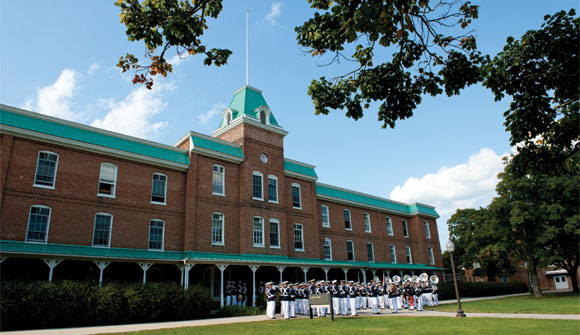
pixel 553 303
pixel 384 325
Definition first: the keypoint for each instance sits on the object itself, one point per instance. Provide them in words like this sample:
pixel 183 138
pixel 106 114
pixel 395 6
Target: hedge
pixel 479 289
pixel 41 304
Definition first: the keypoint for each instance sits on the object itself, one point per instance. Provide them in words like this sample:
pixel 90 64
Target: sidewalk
pixel 240 319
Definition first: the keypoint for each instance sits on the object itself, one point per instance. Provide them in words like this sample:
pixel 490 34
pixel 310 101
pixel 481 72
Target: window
pixel 46 169
pixel 298 237
pixel 156 228
pixel 219 180
pixel 217 229
pixel 159 188
pixel 409 258
pixel 228 118
pixel 102 233
pixel 274 233
pixel 262 117
pixel 107 180
pixel 347 224
pixel 389 226
pixel 258 231
pixel 327 249
pixel 367 220
pixel 370 252
pixel 272 189
pixel 431 257
pixel 427 231
pixel 38 223
pixel 393 253
pixel 405 231
pixel 325 217
pixel 296 201
pixel 350 250
pixel 257 193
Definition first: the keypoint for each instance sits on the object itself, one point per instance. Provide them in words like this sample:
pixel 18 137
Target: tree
pixel 162 25
pixel 479 244
pixel 425 59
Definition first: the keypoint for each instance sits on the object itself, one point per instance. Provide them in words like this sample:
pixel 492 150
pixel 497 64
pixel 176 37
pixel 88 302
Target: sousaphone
pixel 415 279
pixel 424 277
pixel 434 279
pixel 396 279
pixel 406 278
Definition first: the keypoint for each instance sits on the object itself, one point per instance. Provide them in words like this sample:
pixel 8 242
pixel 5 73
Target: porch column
pixel 145 267
pixel 374 273
pixel 281 269
pixel 325 273
pixel 222 267
pixel 2 259
pixel 181 268
pixel 305 269
pixel 186 269
pixel 52 263
pixel 345 270
pixel 101 265
pixel 364 273
pixel 254 268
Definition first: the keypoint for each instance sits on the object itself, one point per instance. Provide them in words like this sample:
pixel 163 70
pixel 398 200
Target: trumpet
pixel 434 279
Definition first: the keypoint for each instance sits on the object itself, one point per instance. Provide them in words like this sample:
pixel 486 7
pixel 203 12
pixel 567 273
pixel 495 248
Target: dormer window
pixel 228 118
pixel 263 117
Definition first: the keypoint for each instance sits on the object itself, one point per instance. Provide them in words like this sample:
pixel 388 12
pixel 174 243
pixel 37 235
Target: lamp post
pixel 450 248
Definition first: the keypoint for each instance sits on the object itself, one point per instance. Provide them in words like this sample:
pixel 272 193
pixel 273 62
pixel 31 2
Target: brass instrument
pixel 434 279
pixel 406 278
pixel 424 277
pixel 396 279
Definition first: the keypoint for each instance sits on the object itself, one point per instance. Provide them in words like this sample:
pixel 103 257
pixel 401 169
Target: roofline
pixel 247 86
pixel 244 118
pixel 362 194
pixel 300 163
pixel 299 175
pixel 361 205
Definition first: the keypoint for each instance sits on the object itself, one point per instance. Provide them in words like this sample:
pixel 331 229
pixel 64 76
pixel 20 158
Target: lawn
pixel 384 325
pixel 553 303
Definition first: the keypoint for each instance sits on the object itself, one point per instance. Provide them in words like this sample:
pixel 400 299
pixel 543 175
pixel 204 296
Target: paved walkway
pixel 240 319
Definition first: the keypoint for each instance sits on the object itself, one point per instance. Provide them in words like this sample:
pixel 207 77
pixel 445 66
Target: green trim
pixel 245 102
pixel 79 251
pixel 216 145
pixel 295 167
pixel 86 134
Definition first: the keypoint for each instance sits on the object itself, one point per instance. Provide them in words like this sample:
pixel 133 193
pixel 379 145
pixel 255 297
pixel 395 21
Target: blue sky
pixel 58 58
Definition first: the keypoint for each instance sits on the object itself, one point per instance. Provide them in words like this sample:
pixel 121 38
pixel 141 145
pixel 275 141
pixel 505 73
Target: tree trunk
pixel 533 272
pixel 573 271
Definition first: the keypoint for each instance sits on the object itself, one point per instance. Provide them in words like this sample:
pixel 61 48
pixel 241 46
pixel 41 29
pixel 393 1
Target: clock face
pixel 264 158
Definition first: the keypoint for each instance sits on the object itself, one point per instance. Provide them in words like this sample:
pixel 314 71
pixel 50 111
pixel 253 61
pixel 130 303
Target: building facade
pixel 85 203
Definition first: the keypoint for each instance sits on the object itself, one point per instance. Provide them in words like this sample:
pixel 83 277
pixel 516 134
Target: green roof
pixel 212 144
pixel 296 167
pixel 78 251
pixel 81 133
pixel 245 102
pixel 364 199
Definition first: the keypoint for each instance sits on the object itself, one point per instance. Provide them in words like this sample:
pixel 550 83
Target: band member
pixel 374 291
pixel 305 303
pixel 285 300
pixel 381 293
pixel 343 297
pixel 312 290
pixel 359 296
pixel 229 293
pixel 419 292
pixel 435 296
pixel 351 295
pixel 393 296
pixel 271 296
pixel 321 311
pixel 243 294
pixel 292 304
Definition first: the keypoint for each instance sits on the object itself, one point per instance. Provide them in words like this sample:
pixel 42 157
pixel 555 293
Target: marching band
pixel 409 292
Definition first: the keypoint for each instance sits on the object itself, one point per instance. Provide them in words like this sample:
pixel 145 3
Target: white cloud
pixel 133 116
pixel 93 68
pixel 55 99
pixel 216 109
pixel 275 11
pixel 177 59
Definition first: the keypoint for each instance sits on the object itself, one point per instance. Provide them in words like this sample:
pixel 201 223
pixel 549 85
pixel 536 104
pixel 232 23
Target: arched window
pixel 263 117
pixel 228 118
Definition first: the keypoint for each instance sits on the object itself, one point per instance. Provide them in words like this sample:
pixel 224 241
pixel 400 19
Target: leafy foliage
pixel 446 290
pixel 425 59
pixel 162 25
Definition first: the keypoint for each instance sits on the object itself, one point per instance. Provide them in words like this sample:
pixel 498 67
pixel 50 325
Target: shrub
pixel 238 311
pixel 446 290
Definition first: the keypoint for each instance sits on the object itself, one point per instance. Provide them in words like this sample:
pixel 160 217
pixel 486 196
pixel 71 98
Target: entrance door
pixel 561 282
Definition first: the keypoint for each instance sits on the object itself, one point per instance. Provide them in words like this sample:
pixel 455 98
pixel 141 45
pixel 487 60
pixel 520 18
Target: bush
pixel 238 311
pixel 41 304
pixel 481 289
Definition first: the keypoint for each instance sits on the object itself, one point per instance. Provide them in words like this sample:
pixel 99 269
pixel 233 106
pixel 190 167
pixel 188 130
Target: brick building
pixel 85 203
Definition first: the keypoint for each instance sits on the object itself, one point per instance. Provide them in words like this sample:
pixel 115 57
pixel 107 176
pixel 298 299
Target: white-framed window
pixel 228 118
pixel 349 250
pixel 393 253
pixel 298 237
pixel 262 117
pixel 367 220
pixel 272 189
pixel 46 167
pixel 431 256
pixel 370 252
pixel 219 180
pixel 409 257
pixel 405 230
pixel 427 230
pixel 156 234
pixel 296 198
pixel 107 180
pixel 159 188
pixel 257 185
pixel 327 249
pixel 258 235
pixel 347 223
pixel 217 229
pixel 325 216
pixel 274 233
pixel 102 232
pixel 389 226
pixel 38 224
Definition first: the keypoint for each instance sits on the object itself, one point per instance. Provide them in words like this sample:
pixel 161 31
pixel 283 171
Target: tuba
pixel 388 280
pixel 415 279
pixel 396 279
pixel 434 279
pixel 406 278
pixel 424 277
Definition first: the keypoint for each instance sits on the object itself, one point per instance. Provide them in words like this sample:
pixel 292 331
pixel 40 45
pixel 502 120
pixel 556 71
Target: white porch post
pixel 101 265
pixel 281 269
pixel 305 269
pixel 186 269
pixel 364 273
pixel 374 273
pixel 254 268
pixel 345 270
pixel 325 273
pixel 52 263
pixel 181 269
pixel 222 267
pixel 145 267
pixel 2 259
